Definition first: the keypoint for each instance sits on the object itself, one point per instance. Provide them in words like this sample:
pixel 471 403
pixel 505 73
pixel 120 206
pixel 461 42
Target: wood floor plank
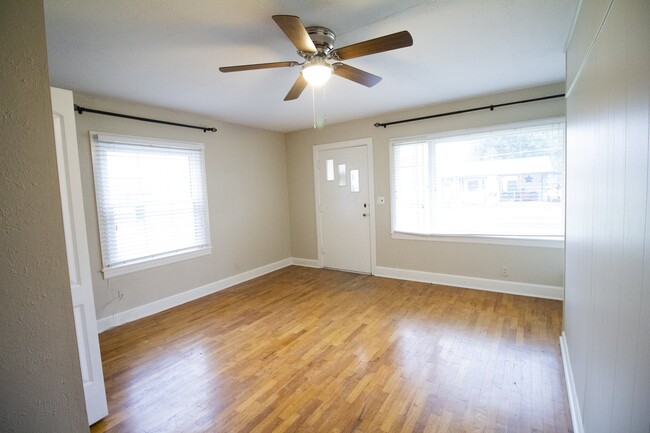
pixel 312 350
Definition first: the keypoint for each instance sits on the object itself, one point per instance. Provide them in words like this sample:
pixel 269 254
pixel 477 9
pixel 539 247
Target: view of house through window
pixel 508 181
pixel 151 200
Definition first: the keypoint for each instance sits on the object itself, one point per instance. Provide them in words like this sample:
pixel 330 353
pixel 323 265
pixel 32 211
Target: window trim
pixel 115 271
pixel 520 241
pixel 164 258
pixel 534 240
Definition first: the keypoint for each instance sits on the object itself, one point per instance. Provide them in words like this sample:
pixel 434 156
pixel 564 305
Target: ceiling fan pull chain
pixel 318 104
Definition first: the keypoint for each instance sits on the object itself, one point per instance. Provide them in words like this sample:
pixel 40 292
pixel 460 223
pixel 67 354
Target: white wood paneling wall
pixel 607 290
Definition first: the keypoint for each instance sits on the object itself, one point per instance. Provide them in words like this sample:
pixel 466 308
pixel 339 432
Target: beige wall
pixel 607 300
pixel 40 380
pixel 247 196
pixel 536 265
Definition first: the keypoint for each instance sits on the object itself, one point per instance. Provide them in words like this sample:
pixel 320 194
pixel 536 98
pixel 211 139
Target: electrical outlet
pixel 505 272
pixel 237 267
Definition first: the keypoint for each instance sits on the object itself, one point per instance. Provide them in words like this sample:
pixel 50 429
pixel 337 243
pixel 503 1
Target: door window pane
pixel 330 169
pixel 354 180
pixel 342 175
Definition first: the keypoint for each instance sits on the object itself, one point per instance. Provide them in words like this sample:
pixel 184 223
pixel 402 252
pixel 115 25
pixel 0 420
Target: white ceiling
pixel 167 53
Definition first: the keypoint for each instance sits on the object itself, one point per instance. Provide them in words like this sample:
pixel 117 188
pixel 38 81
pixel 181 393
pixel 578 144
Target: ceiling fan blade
pixel 296 89
pixel 296 32
pixel 378 45
pixel 258 66
pixel 356 75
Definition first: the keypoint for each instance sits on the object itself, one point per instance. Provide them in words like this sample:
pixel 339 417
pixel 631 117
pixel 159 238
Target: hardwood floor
pixel 312 350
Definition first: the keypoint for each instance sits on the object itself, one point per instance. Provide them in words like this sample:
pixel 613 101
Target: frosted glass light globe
pixel 317 72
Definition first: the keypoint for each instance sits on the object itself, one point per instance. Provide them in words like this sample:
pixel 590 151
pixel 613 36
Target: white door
pixel 344 208
pixel 77 251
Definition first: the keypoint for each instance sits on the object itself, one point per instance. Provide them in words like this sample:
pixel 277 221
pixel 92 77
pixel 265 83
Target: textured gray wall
pixel 40 380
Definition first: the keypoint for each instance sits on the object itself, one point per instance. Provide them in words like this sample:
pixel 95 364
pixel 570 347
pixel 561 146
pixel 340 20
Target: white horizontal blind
pixel 411 194
pixel 151 199
pixel 505 182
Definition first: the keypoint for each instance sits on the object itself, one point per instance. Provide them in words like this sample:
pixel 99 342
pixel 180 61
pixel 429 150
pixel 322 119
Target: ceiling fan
pixel 315 45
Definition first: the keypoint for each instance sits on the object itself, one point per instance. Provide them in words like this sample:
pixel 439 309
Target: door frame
pixel 361 142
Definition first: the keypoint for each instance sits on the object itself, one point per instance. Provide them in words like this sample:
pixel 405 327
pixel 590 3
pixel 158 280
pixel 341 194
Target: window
pixel 151 201
pixel 504 182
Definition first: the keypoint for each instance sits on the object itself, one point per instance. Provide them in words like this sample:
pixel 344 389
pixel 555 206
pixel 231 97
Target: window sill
pixel 520 241
pixel 148 264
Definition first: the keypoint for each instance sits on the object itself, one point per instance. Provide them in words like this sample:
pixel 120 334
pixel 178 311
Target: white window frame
pixel 531 241
pixel 160 259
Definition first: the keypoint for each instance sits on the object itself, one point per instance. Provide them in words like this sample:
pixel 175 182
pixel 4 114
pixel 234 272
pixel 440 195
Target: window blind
pixel 504 182
pixel 151 199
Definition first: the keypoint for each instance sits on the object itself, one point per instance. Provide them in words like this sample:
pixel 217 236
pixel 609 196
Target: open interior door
pixel 77 251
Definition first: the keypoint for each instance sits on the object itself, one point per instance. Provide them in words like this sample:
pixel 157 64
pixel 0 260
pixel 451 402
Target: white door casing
pixel 345 213
pixel 77 253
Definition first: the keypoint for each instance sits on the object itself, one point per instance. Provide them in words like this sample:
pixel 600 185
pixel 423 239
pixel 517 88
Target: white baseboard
pixel 501 286
pixel 309 263
pixel 574 405
pixel 535 290
pixel 136 313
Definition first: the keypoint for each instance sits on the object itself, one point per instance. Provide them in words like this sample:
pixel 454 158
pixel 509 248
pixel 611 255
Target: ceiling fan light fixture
pixel 317 72
pixel 315 45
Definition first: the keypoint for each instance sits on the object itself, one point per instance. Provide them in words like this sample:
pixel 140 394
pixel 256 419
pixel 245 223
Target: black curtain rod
pixel 469 110
pixel 80 110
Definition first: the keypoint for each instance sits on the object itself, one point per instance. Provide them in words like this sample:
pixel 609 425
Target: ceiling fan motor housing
pixel 322 37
